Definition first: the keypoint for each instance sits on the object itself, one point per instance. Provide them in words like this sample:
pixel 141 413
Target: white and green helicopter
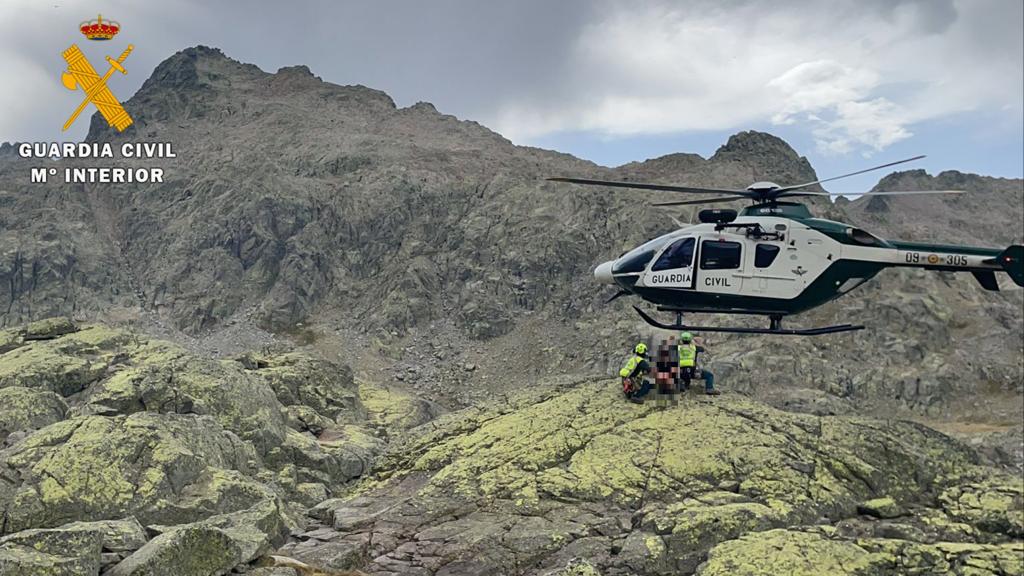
pixel 775 259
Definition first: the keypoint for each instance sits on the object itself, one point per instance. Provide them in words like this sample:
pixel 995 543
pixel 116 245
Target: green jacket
pixel 688 354
pixel 635 366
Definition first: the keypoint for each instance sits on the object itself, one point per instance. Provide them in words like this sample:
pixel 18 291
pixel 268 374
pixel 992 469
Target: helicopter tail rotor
pixel 1012 261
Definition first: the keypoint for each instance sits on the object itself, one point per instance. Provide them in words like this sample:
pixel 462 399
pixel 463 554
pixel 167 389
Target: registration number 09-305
pixel 936 259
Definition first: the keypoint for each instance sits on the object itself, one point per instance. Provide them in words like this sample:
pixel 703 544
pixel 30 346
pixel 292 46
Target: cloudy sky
pixel 848 83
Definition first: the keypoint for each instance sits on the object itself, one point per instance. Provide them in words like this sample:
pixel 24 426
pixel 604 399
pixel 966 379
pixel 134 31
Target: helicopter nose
pixel 603 273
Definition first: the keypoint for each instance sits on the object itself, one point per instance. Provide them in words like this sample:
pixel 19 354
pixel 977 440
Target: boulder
pixel 298 379
pixel 48 329
pixel 94 467
pixel 212 546
pixel 881 508
pixel 162 377
pixel 45 367
pixel 393 411
pixel 349 454
pixel 70 550
pixel 28 409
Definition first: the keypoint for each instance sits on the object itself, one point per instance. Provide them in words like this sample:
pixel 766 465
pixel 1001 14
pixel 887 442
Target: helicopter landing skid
pixel 776 327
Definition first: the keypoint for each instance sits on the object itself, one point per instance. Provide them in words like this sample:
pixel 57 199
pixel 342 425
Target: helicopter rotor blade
pixel 892 193
pixel 706 201
pixel 787 188
pixel 641 186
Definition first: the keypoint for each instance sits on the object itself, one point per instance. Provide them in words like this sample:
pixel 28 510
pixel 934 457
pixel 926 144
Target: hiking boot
pixel 713 392
pixel 636 400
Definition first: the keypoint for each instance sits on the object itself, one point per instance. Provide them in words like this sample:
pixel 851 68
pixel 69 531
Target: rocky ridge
pixel 544 481
pixel 135 457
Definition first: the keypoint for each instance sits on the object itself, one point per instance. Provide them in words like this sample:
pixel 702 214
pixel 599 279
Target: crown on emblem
pixel 99 29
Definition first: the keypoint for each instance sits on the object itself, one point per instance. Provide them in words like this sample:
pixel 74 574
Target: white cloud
pixel 858 75
pixel 833 100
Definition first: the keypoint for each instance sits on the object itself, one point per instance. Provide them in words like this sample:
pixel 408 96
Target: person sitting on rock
pixel 634 384
pixel 688 351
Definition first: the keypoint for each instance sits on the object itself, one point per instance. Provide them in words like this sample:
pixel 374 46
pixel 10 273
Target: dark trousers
pixel 640 391
pixel 687 373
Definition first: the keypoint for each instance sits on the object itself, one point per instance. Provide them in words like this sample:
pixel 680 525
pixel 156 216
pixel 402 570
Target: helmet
pixel 640 349
pixel 686 337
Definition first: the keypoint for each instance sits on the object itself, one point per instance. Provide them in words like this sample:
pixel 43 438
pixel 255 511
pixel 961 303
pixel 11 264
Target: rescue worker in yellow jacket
pixel 634 384
pixel 688 370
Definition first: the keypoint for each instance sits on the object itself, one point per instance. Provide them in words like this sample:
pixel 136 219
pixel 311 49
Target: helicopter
pixel 774 258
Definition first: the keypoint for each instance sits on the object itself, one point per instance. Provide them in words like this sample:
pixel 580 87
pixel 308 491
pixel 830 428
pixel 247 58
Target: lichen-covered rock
pixel 49 328
pixel 113 535
pixel 790 552
pixel 992 502
pixel 212 546
pixel 572 446
pixel 818 550
pixel 884 507
pixel 70 550
pixel 9 340
pixel 28 409
pixel 162 377
pixel 305 419
pixel 26 561
pixel 689 527
pixel 44 366
pixel 323 386
pixel 578 567
pixel 106 424
pixel 348 454
pixel 569 470
pixel 95 467
pixel 392 411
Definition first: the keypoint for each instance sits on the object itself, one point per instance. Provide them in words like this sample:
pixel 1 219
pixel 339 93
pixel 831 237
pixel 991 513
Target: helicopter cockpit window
pixel 678 255
pixel 764 255
pixel 636 259
pixel 715 255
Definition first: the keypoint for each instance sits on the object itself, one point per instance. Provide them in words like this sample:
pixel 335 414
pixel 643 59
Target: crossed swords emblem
pixel 81 73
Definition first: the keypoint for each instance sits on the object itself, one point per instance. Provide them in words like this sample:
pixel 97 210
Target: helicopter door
pixel 721 266
pixel 769 275
pixel 674 267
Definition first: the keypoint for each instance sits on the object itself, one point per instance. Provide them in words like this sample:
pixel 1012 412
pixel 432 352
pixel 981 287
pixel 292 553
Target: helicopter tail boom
pixel 983 263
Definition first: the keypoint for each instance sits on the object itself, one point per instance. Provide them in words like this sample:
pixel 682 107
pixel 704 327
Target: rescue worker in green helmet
pixel 634 382
pixel 688 370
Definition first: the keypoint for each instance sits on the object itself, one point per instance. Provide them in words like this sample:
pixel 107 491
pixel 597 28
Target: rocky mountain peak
pixel 191 68
pixel 300 70
pixel 752 142
pixel 771 157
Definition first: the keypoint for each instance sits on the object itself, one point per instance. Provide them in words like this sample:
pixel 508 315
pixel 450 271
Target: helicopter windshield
pixel 636 259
